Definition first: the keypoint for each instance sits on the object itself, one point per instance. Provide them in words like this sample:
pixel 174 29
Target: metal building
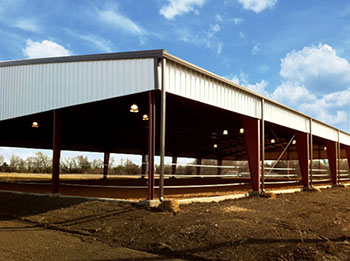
pixel 83 103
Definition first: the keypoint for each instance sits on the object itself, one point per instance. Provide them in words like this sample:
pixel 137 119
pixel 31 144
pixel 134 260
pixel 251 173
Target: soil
pixel 298 226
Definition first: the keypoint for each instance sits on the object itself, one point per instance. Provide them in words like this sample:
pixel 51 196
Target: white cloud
pixel 219 48
pixel 243 80
pixel 45 48
pixel 218 18
pixel 213 29
pixel 100 43
pixel 242 35
pixel 179 7
pixel 256 48
pixel 27 25
pixel 318 68
pixel 237 20
pixel 257 5
pixel 119 21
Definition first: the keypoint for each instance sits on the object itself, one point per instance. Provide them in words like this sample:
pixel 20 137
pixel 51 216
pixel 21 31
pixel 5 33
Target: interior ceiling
pixel 192 129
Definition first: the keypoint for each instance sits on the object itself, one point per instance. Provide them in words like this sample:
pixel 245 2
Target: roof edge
pixel 157 53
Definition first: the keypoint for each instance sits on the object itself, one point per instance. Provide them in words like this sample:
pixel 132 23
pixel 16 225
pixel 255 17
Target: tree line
pixel 41 163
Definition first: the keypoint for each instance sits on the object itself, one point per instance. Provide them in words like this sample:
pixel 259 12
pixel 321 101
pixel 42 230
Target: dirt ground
pixel 299 226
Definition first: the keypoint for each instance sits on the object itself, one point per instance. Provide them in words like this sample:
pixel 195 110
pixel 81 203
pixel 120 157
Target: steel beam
pixel 332 160
pixel 57 124
pixel 311 155
pixel 262 145
pixel 105 164
pixel 303 150
pixel 162 134
pixel 252 139
pixel 151 143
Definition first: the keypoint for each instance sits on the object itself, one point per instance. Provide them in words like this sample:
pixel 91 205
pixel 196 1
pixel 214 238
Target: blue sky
pixel 296 52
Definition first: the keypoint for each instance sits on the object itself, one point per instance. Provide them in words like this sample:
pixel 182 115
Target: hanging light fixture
pixel 145 117
pixel 35 124
pixel 273 141
pixel 241 130
pixel 225 132
pixel 294 142
pixel 215 146
pixel 134 108
pixel 324 148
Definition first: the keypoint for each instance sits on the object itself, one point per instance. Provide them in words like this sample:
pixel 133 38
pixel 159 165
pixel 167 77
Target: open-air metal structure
pixel 83 103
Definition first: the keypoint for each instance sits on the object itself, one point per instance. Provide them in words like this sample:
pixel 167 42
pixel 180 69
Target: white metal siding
pixel 321 130
pixel 29 89
pixel 281 115
pixel 344 138
pixel 188 83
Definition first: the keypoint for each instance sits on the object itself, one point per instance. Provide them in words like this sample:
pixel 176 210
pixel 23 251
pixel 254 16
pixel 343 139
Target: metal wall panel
pixel 288 118
pixel 321 130
pixel 29 89
pixel 344 138
pixel 194 85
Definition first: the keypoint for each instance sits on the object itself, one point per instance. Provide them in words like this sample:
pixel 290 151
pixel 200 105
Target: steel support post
pixel 332 160
pixel 219 166
pixel 262 145
pixel 162 135
pixel 173 167
pixel 311 153
pixel 252 139
pixel 303 150
pixel 198 168
pixel 151 143
pixel 57 119
pixel 338 154
pixel 105 164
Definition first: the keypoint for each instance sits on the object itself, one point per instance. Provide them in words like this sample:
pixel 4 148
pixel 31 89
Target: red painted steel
pixel 151 143
pixel 332 160
pixel 143 166
pixel 303 151
pixel 347 149
pixel 105 164
pixel 56 151
pixel 252 139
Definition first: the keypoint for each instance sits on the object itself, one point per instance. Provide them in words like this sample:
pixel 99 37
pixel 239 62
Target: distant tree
pixel 16 163
pixel 2 160
pixel 83 163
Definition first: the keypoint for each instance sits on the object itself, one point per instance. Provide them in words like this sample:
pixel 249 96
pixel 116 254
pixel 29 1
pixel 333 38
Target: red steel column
pixel 332 160
pixel 173 167
pixel 302 140
pixel 56 151
pixel 151 143
pixel 105 164
pixel 219 164
pixel 199 162
pixel 252 139
pixel 347 149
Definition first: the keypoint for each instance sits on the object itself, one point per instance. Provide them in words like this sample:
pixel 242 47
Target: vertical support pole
pixel 219 166
pixel 338 153
pixel 143 166
pixel 303 157
pixel 332 160
pixel 173 167
pixel 288 166
pixel 105 164
pixel 162 133
pixel 198 168
pixel 311 154
pixel 151 144
pixel 57 119
pixel 262 145
pixel 252 139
